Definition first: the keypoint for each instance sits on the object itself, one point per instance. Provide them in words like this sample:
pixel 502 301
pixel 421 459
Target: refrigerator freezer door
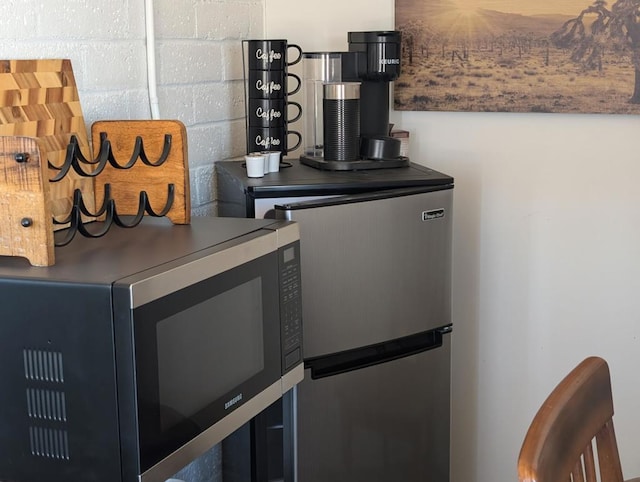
pixel 374 267
pixel 386 423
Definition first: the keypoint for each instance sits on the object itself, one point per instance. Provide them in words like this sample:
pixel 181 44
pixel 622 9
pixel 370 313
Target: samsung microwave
pixel 138 351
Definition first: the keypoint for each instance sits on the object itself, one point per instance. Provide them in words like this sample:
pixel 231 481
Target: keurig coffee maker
pixel 372 62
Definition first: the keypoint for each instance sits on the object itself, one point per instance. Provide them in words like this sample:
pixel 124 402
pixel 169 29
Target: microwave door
pixel 376 267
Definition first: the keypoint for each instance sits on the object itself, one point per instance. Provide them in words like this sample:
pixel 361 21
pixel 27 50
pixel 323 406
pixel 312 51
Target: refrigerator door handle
pixel 366 356
pixel 361 197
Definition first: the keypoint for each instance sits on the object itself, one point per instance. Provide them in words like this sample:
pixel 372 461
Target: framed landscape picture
pixel 569 56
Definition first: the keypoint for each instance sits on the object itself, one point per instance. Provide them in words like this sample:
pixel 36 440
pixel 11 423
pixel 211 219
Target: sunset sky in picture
pixel 528 7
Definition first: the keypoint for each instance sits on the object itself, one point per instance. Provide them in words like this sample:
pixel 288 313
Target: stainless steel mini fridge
pixel 376 300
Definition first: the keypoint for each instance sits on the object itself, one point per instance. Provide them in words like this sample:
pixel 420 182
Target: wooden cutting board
pixel 39 98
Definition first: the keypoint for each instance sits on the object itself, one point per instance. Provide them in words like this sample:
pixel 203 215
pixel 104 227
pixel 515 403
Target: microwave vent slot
pixel 49 443
pixel 42 365
pixel 46 405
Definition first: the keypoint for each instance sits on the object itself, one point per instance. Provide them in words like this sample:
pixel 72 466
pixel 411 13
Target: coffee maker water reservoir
pixel 318 68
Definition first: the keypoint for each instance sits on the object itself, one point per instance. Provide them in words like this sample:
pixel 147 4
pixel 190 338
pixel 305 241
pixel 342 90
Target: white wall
pixel 546 251
pixel 199 65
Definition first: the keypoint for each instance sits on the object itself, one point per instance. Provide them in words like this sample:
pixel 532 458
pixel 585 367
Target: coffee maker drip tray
pixel 359 165
pixel 375 152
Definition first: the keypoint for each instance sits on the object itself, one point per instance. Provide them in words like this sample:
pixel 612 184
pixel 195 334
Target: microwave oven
pixel 138 351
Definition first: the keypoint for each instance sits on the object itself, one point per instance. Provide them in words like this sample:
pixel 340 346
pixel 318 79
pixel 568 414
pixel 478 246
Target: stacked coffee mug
pixel 267 85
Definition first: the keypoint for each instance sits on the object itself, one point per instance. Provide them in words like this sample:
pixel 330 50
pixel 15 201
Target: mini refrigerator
pixel 376 311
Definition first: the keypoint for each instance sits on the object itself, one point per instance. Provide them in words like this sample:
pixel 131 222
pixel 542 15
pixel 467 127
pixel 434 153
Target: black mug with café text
pixel 272 112
pixel 271 139
pixel 270 54
pixel 270 84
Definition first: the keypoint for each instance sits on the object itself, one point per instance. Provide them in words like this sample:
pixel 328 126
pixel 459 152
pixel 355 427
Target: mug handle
pixel 299 112
pixel 299 84
pixel 297 47
pixel 299 136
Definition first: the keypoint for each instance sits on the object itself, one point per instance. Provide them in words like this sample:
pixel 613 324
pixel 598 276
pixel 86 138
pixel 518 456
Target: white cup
pixel 255 164
pixel 265 157
pixel 273 160
pixel 266 162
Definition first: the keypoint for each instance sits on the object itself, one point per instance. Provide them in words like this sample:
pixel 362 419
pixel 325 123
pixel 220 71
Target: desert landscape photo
pixel 557 56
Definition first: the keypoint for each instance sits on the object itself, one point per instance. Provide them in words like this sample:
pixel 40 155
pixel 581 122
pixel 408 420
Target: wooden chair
pixel 574 423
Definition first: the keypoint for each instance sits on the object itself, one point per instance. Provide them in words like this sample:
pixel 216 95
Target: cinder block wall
pixel 199 65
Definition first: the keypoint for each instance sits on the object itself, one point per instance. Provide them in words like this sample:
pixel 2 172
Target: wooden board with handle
pixel 25 207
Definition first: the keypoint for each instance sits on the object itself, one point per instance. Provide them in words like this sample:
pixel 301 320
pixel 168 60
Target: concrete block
pixel 175 19
pixel 219 101
pixel 177 102
pixel 126 63
pixel 202 180
pixel 189 62
pixel 224 20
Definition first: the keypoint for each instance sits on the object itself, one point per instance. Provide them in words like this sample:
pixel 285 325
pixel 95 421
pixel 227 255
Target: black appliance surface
pixel 305 180
pixel 154 242
pixel 237 191
pixel 73 347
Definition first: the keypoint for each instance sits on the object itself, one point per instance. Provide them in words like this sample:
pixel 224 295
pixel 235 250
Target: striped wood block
pixel 39 98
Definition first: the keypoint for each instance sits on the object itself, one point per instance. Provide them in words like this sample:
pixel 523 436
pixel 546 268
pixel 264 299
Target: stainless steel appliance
pixel 140 350
pixel 374 404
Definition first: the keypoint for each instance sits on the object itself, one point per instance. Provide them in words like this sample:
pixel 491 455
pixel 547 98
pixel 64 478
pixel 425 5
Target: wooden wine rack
pixel 49 171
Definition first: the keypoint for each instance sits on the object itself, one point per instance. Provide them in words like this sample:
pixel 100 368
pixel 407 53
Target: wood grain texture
pixel 126 184
pixel 25 198
pixel 576 415
pixel 39 113
pixel 39 98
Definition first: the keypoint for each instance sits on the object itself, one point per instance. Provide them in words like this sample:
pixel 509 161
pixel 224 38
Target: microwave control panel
pixel 290 306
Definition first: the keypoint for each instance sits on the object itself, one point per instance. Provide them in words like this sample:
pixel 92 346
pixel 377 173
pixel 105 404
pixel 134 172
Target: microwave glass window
pixel 232 324
pixel 203 351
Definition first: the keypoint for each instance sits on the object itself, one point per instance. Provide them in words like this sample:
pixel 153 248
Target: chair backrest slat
pixel 577 472
pixel 589 464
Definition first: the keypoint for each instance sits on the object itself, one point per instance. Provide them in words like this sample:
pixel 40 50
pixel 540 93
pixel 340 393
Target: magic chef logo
pixel 433 214
pixel 233 401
